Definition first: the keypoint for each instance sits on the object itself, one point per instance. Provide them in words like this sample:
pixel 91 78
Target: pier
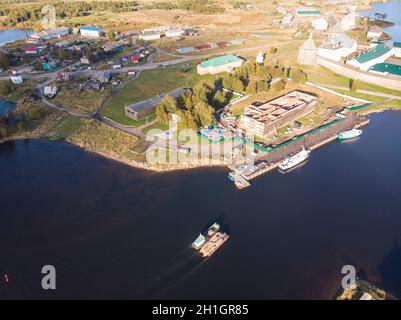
pixel 310 140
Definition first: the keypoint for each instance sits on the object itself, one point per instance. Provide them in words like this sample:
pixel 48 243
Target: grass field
pixel 324 76
pixel 80 100
pixel 150 83
pixel 368 97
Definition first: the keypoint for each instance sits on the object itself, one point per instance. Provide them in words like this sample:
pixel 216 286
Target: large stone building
pixel 220 64
pixel 337 45
pixel 262 119
pixel 307 52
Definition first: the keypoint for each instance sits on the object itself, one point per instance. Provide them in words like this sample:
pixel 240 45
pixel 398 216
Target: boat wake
pixel 186 264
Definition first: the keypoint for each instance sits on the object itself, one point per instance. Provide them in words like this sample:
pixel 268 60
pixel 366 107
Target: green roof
pixel 397 44
pixel 220 61
pixel 301 11
pixel 376 52
pixel 387 67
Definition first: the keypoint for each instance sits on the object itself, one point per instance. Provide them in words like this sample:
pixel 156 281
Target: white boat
pixel 350 134
pixel 294 160
pixel 199 242
pixel 213 229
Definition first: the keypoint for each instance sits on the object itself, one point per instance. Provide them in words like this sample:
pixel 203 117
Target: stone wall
pixel 391 82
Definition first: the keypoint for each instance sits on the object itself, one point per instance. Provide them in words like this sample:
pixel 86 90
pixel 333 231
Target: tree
pixel 353 85
pixel 5 61
pixel 252 87
pixel 167 106
pixel 5 88
pixel 34 114
pixel 278 86
pixel 204 113
pixel 262 86
pixel 3 131
pixel 220 99
pixel 203 91
pixel 187 120
pixel 298 76
pixel 63 54
pixel 162 114
pixel 110 34
pixel 188 100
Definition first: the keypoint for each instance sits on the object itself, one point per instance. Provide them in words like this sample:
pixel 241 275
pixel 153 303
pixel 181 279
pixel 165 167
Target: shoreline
pixel 131 163
pixel 143 165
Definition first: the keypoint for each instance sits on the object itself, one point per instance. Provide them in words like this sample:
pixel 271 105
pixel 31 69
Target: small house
pixel 34 50
pixel 50 91
pixel 134 58
pixel 91 31
pixel 16 79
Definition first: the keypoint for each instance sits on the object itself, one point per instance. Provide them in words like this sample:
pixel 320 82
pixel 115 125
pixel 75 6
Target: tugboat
pixel 214 239
pixel 294 160
pixel 350 134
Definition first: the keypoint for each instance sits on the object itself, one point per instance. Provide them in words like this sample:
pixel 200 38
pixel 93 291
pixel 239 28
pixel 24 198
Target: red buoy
pixel 6 280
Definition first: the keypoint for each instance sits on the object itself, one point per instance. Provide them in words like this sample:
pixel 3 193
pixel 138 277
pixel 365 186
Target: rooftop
pixel 219 61
pixel 376 52
pixel 279 107
pixel 387 67
pixel 91 28
pixel 308 11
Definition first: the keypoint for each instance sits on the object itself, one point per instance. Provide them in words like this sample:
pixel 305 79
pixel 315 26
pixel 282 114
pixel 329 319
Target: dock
pixel 311 140
pixel 239 180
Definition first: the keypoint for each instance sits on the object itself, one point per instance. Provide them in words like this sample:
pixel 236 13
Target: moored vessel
pixel 350 134
pixel 294 160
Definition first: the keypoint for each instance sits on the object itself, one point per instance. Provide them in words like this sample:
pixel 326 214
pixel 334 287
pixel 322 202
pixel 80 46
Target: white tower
pixel 260 58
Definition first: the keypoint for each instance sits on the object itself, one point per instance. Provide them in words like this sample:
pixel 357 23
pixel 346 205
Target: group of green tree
pixel 32 11
pixel 5 61
pixel 5 88
pixel 253 78
pixel 196 6
pixel 194 109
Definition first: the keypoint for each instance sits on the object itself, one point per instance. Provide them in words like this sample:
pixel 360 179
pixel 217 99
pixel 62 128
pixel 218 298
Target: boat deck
pixel 215 242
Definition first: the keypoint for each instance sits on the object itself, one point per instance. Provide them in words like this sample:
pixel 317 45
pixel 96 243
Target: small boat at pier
pixel 350 134
pixel 294 160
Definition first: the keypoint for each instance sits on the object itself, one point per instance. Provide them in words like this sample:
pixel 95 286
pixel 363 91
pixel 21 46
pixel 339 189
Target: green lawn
pixel 156 125
pixel 324 76
pixel 360 95
pixel 149 84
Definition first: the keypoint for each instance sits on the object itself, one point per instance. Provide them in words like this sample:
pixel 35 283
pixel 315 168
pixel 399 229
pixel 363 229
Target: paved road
pixel 150 65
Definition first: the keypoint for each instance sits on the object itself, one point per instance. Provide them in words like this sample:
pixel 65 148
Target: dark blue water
pixel 113 231
pixel 393 11
pixel 6 106
pixel 8 36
